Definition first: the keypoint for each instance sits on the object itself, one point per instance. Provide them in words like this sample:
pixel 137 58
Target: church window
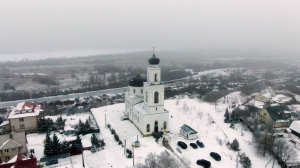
pixel 148 127
pixel 156 97
pixel 146 96
pixel 133 90
pixel 141 91
pixel 155 77
pixel 165 124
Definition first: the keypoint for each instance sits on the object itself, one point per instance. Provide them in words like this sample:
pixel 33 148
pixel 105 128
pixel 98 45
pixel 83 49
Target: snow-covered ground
pixel 206 118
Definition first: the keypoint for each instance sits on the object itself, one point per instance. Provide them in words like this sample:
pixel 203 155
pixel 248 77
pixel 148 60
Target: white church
pixel 144 101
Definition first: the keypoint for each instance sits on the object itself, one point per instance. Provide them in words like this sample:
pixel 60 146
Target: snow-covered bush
pixel 245 161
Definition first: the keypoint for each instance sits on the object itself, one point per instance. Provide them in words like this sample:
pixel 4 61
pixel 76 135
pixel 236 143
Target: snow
pixel 280 98
pixel 207 119
pixel 295 126
pixel 4 123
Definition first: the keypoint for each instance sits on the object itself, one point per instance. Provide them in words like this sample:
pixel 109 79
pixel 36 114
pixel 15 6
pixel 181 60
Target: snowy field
pixel 206 118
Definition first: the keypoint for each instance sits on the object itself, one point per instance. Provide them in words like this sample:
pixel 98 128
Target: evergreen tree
pixel 48 145
pixel 87 125
pixel 65 147
pixel 245 161
pixel 235 145
pixel 226 115
pixel 77 143
pixel 95 141
pixel 55 145
pixel 234 117
pixel 60 122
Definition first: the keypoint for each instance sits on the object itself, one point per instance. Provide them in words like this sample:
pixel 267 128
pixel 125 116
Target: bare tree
pixel 163 160
pixel 284 151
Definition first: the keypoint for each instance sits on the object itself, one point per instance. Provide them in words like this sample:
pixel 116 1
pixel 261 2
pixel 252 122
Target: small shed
pixel 188 132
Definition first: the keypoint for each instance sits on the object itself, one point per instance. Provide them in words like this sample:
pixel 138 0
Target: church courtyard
pixel 207 119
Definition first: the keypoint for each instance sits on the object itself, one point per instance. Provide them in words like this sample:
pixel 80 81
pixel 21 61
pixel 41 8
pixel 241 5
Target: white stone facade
pixel 145 102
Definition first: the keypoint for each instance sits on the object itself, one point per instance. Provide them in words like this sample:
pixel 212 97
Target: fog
pixel 29 28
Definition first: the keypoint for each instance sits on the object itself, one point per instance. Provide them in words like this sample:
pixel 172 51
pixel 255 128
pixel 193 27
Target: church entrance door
pixel 156 126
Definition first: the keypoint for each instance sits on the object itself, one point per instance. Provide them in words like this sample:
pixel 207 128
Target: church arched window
pixel 155 77
pixel 156 97
pixel 148 127
pixel 146 96
pixel 165 124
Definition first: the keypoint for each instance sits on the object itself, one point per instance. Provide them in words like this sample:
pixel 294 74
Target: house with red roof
pixel 25 117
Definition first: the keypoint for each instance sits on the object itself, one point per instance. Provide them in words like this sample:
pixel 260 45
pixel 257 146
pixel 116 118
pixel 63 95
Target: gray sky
pixel 98 25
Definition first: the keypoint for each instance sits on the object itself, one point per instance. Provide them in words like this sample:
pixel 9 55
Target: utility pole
pixel 125 146
pixel 82 160
pixel 105 120
pixel 237 159
pixel 132 155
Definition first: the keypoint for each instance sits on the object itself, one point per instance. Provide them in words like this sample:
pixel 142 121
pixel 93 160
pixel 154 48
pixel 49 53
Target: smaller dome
pixel 154 60
pixel 137 81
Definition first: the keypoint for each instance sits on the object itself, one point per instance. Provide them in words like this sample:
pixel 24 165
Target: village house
pixel 25 117
pixel 11 145
pixel 4 127
pixel 274 116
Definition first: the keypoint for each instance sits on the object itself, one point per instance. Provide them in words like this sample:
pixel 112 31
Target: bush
pixel 245 161
pixel 235 145
pixel 112 131
pixel 129 153
pixel 117 137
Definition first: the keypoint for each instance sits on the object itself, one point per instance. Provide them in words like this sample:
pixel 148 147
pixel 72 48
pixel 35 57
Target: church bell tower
pixel 154 90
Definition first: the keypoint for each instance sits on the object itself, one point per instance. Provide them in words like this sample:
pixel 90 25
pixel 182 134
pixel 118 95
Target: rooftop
pixel 25 109
pixel 295 126
pixel 188 129
pixel 277 113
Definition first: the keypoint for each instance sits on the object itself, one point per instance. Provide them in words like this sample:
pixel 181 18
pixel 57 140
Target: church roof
pixel 137 81
pixel 154 60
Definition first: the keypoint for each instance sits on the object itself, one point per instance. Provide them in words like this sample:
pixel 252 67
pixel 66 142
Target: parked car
pixel 215 155
pixel 51 162
pixel 200 144
pixel 204 163
pixel 182 144
pixel 193 145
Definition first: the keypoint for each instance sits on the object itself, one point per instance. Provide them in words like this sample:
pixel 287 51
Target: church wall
pixel 139 91
pixel 151 71
pixel 150 90
pixel 150 119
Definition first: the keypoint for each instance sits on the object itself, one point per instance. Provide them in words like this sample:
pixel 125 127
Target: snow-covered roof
pixel 140 108
pixel 4 123
pixel 188 129
pixel 25 109
pixel 8 144
pixel 295 126
pixel 133 99
pixel 280 98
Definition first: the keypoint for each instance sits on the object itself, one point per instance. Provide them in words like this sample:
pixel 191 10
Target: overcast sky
pixel 108 25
